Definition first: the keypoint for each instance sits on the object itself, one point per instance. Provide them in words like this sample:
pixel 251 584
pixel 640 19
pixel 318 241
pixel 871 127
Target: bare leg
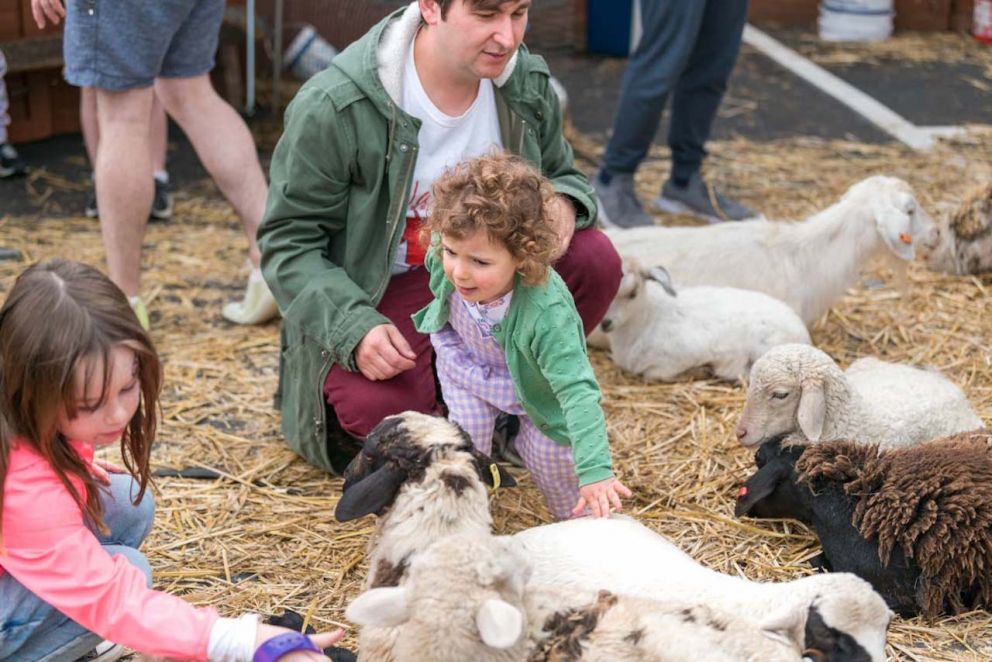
pixel 124 181
pixel 88 120
pixel 225 146
pixel 91 128
pixel 159 134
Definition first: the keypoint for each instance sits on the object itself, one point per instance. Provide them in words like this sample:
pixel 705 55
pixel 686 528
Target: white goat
pixel 807 265
pixel 468 598
pixel 621 556
pixel 660 334
pixel 799 389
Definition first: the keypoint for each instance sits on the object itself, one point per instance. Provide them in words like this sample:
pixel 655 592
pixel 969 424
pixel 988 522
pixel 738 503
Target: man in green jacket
pixel 428 87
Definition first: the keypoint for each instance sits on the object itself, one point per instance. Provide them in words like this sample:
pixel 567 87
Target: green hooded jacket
pixel 340 183
pixel 545 348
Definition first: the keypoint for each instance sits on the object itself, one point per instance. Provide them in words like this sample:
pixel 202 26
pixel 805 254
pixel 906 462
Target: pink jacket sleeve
pixel 48 549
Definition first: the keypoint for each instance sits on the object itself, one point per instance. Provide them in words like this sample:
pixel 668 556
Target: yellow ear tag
pixel 494 470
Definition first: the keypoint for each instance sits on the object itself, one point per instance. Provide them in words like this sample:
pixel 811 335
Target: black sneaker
pixel 11 164
pixel 341 446
pixel 162 202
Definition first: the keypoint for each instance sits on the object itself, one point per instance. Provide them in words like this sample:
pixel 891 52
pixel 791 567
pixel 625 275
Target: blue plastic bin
pixel 608 25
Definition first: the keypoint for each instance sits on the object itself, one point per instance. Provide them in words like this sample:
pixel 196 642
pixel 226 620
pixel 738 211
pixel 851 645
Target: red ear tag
pixel 905 238
pixel 741 493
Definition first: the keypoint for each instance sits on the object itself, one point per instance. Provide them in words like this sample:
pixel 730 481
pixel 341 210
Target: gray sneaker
pixel 701 200
pixel 618 203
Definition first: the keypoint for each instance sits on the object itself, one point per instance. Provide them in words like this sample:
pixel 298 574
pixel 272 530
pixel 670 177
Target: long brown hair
pixel 60 317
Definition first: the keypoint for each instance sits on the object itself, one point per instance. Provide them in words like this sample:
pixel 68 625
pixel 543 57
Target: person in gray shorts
pixel 131 52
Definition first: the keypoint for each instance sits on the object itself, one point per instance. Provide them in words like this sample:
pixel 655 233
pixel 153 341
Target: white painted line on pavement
pixel 882 116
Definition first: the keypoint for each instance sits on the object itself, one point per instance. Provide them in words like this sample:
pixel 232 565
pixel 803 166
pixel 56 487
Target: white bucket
pixel 855 20
pixel 308 53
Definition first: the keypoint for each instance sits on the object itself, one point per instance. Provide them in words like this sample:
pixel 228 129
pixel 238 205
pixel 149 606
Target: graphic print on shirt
pixel 444 142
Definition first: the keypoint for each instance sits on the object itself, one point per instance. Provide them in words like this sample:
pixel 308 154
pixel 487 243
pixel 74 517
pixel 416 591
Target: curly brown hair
pixel 507 198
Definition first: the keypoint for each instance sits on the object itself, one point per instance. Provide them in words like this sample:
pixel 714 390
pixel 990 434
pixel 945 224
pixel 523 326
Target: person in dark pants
pixel 687 50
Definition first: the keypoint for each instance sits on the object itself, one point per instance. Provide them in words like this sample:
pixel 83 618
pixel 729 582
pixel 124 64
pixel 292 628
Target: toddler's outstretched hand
pixel 600 497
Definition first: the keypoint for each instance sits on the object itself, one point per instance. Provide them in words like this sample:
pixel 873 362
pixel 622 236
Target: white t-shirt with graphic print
pixel 444 141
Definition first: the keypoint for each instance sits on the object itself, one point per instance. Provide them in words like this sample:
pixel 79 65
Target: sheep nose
pixel 741 432
pixel 606 325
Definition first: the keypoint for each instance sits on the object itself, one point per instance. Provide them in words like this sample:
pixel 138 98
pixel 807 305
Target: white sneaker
pixel 105 651
pixel 258 306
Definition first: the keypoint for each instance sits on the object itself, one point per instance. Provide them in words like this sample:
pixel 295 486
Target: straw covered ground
pixel 263 538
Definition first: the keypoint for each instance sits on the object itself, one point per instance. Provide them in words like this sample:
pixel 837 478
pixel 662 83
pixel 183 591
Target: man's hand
pixel 600 497
pixel 563 218
pixel 52 9
pixel 384 353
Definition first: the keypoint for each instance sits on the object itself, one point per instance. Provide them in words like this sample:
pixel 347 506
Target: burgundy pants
pixel 590 268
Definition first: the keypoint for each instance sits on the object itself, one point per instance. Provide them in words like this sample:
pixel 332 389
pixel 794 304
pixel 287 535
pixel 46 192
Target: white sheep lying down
pixel 659 334
pixel 468 598
pixel 621 556
pixel 422 477
pixel 807 265
pixel 798 389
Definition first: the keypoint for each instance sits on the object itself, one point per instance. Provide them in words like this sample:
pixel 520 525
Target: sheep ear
pixel 500 623
pixel 491 473
pixel 371 494
pixel 787 626
pixel 812 411
pixel 380 607
pixel 661 276
pixel 896 229
pixel 760 486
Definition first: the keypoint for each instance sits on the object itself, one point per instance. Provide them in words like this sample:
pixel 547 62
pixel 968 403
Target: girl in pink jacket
pixel 78 372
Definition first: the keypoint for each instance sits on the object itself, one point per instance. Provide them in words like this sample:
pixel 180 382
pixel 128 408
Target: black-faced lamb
pixel 468 598
pixel 424 478
pixel 808 265
pixel 798 389
pixel 660 334
pixel 915 522
pixel 961 243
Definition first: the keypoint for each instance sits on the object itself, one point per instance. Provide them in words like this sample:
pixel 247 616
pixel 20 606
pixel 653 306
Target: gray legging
pixel 688 48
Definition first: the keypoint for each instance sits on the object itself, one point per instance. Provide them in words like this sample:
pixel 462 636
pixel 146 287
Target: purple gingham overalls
pixel 476 386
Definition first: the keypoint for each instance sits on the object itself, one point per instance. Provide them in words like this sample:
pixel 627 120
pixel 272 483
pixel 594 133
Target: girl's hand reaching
pixel 600 497
pixel 101 470
pixel 323 640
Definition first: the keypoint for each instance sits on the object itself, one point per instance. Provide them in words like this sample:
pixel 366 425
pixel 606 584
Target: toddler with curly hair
pixel 507 335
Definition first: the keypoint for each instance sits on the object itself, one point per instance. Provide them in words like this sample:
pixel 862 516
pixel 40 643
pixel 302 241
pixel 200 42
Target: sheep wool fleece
pixel 476 384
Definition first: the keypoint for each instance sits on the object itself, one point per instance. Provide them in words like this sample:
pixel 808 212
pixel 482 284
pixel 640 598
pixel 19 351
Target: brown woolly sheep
pixel 915 522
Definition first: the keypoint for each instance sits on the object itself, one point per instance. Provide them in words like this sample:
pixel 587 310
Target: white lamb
pixel 660 334
pixel 468 598
pixel 813 614
pixel 807 265
pixel 798 389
